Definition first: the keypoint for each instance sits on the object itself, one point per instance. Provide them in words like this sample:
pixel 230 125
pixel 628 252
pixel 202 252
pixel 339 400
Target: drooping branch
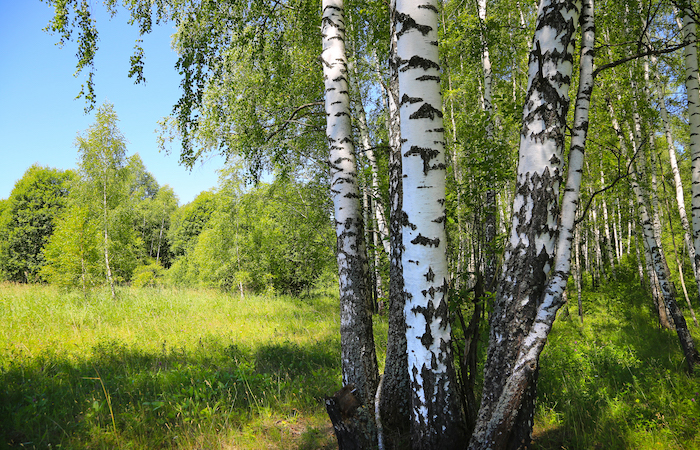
pixel 292 119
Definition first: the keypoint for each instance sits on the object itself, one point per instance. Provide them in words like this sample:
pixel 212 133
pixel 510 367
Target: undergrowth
pixel 198 369
pixel 617 380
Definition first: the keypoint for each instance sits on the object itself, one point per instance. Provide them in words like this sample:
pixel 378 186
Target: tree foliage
pixel 272 237
pixel 27 221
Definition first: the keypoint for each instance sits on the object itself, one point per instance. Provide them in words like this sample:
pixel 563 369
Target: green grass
pixel 165 368
pixel 198 369
pixel 617 381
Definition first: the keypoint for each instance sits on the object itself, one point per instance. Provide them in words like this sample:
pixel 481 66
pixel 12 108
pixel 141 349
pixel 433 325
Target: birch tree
pixel 395 395
pixel 102 153
pixel 692 87
pixel 436 413
pixel 524 310
pixel 359 361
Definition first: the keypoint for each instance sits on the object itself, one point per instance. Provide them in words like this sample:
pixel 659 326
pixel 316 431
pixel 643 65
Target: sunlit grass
pixel 199 369
pixel 179 369
pixel 617 381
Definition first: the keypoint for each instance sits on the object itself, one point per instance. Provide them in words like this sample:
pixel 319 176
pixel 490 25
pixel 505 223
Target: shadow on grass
pixel 617 382
pixel 124 397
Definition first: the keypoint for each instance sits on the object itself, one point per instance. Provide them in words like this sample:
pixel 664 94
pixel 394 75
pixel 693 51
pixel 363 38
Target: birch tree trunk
pixel 436 409
pixel 108 269
pixel 606 221
pixel 378 211
pixel 489 251
pixel 692 87
pixel 686 340
pixel 524 310
pixel 359 361
pixel 680 196
pixel 395 397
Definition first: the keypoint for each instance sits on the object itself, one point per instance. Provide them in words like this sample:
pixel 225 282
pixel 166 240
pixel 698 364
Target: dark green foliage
pixel 27 221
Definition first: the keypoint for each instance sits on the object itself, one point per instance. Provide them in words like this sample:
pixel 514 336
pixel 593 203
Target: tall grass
pixel 165 368
pixel 617 381
pixel 197 369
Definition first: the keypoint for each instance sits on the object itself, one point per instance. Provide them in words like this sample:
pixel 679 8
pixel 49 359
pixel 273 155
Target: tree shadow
pixel 121 396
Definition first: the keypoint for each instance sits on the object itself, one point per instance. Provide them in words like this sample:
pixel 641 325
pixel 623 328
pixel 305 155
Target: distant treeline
pixel 110 222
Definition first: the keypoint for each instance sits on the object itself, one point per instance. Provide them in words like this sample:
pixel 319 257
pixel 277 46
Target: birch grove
pixel 464 213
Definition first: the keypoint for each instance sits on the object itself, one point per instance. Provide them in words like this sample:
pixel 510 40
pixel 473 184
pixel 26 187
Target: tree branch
pixel 627 173
pixel 650 52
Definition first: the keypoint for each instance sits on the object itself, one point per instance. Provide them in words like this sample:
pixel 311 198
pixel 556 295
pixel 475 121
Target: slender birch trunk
pixel 686 340
pixel 680 196
pixel 692 87
pixel 606 226
pixel 359 361
pixel 489 252
pixel 108 269
pixel 377 210
pixel 160 238
pixel 617 227
pixel 525 306
pixel 679 265
pixel 577 272
pixel 395 398
pixel 655 280
pixel 436 409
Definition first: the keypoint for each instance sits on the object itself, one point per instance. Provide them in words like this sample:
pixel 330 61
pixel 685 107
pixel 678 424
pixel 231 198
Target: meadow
pixel 201 369
pixel 166 368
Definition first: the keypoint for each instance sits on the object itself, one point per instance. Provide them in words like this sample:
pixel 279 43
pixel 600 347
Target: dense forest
pixel 429 156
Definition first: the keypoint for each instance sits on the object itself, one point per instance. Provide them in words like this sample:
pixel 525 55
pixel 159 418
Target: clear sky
pixel 40 117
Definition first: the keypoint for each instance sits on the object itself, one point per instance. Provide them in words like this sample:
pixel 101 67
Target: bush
pixel 148 275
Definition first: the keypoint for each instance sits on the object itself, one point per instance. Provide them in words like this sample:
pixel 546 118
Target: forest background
pixel 257 97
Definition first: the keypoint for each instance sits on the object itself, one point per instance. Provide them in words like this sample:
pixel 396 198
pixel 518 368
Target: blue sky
pixel 40 117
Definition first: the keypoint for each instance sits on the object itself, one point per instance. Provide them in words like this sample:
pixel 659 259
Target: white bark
pixel 680 196
pixel 692 87
pixel 108 269
pixel 436 411
pixel 489 251
pixel 359 362
pixel 525 307
pixel 606 221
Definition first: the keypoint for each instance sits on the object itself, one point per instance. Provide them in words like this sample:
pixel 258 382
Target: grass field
pixel 166 368
pixel 197 369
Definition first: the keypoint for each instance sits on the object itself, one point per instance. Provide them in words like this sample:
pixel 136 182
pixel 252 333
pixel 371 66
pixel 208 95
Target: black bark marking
pixel 429 78
pixel 426 111
pixel 441 219
pixel 430 7
pixel 430 275
pixel 422 240
pixel 418 62
pixel 426 154
pixel 408 23
pixel 406 99
pixel 403 219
